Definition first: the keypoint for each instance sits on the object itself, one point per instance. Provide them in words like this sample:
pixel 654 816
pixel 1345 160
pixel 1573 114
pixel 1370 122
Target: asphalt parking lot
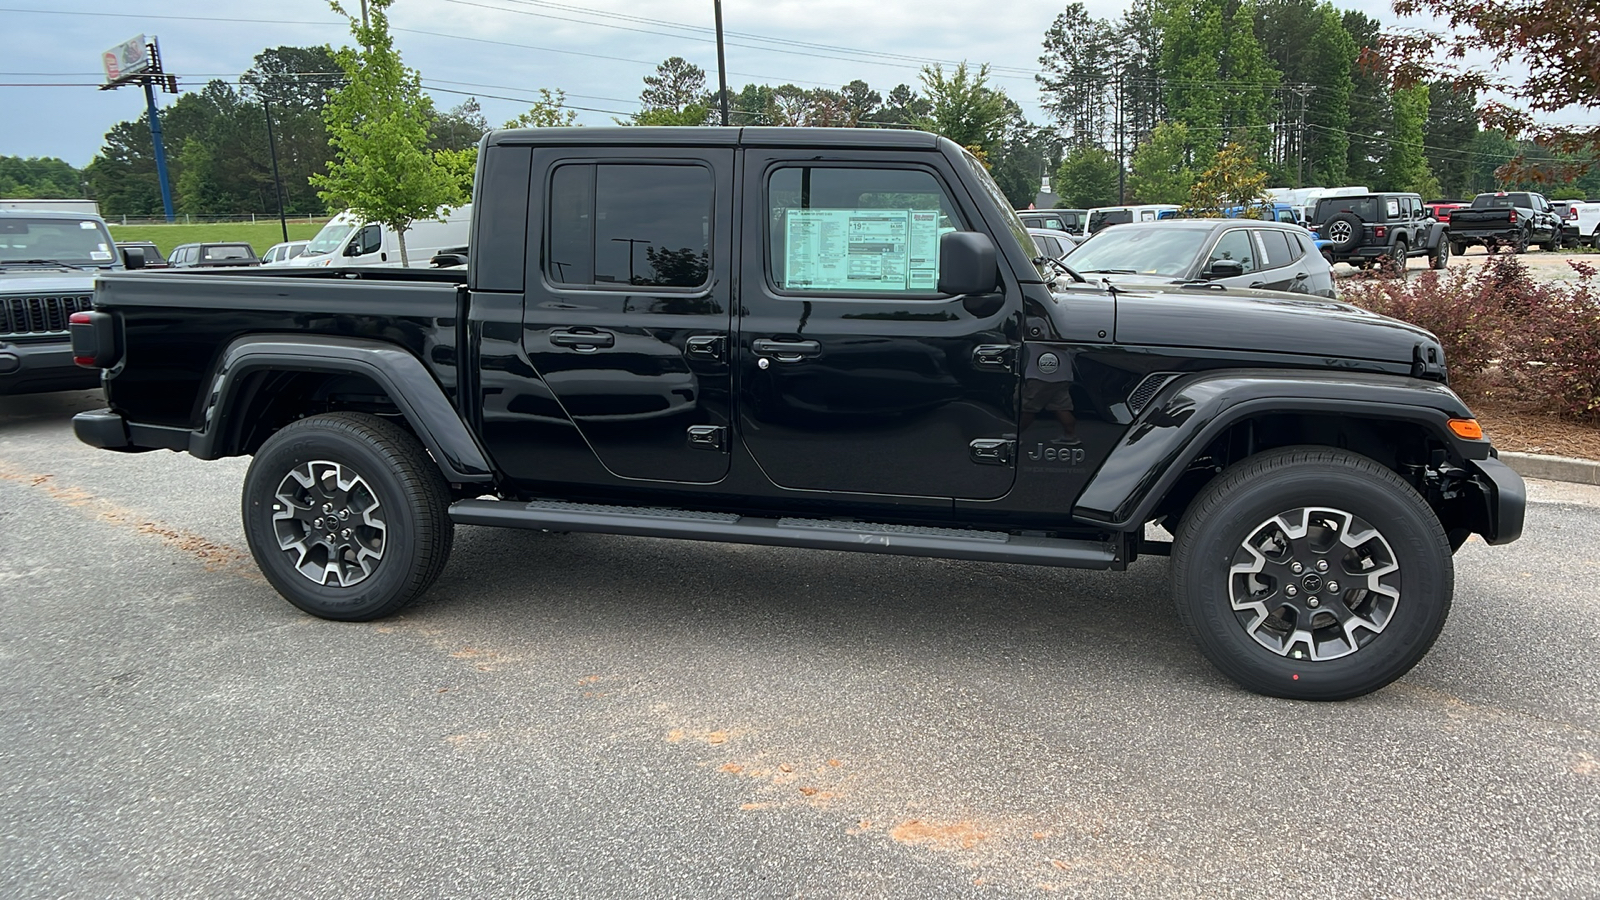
pixel 610 717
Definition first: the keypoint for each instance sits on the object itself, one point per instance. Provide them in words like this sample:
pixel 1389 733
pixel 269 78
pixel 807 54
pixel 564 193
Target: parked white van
pixel 349 240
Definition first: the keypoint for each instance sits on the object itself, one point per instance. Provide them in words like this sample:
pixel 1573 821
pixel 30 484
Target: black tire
pixel 1308 486
pixel 1554 245
pixel 1457 248
pixel 1440 257
pixel 1343 231
pixel 393 531
pixel 1520 244
pixel 1395 263
pixel 1328 255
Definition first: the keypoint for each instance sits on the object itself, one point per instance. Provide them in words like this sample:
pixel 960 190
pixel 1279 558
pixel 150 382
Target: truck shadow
pixel 28 410
pixel 523 585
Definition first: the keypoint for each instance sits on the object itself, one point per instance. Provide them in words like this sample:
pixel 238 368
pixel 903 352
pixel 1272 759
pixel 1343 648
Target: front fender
pixel 1191 412
pixel 394 369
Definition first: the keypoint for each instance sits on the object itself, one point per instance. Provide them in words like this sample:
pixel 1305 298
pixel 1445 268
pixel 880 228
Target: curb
pixel 1553 468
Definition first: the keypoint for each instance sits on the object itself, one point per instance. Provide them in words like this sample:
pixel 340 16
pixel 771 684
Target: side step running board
pixel 816 534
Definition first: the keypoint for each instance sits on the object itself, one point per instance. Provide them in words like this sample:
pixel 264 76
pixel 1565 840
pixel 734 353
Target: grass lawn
pixel 259 235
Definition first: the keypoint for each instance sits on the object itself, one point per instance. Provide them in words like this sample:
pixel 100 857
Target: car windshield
pixel 329 238
pixel 1365 208
pixel 1018 230
pixel 76 242
pixel 1140 250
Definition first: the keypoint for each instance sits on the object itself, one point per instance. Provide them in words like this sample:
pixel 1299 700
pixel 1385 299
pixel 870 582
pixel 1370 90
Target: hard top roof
pixel 747 136
pixel 47 214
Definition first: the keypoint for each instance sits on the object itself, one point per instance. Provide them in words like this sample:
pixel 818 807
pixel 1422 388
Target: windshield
pixel 329 238
pixel 1139 250
pixel 1018 230
pixel 76 242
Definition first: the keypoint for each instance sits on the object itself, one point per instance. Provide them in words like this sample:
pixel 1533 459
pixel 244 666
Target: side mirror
pixel 967 263
pixel 133 258
pixel 1225 268
pixel 353 248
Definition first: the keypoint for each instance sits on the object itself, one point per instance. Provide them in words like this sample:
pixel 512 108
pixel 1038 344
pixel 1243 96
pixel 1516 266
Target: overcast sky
pixel 502 51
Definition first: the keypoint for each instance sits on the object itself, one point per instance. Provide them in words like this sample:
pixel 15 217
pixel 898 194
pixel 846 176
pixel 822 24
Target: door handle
pixel 1257 284
pixel 1299 276
pixel 786 351
pixel 583 340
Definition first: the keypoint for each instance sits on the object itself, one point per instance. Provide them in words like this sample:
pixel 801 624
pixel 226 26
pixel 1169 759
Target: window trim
pixel 765 212
pixel 602 287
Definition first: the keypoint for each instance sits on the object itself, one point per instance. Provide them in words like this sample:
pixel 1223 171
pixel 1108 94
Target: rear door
pixel 627 312
pixel 855 374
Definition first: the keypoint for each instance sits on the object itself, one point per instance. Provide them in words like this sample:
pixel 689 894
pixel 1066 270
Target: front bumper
pixel 38 368
pixel 1505 500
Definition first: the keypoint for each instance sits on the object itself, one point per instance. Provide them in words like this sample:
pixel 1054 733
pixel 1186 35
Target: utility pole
pixel 277 180
pixel 722 66
pixel 1300 137
pixel 1122 170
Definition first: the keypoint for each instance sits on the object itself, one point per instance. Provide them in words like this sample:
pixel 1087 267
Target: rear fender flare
pixel 394 369
pixel 1190 413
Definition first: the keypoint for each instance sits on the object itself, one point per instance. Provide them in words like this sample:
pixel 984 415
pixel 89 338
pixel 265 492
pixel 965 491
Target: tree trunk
pixel 400 233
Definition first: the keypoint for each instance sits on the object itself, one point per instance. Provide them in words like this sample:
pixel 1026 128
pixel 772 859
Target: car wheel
pixel 347 516
pixel 1328 255
pixel 1458 249
pixel 1440 257
pixel 1312 573
pixel 1395 263
pixel 1520 244
pixel 1594 239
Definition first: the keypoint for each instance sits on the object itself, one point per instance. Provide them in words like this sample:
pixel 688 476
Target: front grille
pixel 27 316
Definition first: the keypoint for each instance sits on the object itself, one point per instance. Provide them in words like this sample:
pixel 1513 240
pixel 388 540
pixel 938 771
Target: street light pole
pixel 722 66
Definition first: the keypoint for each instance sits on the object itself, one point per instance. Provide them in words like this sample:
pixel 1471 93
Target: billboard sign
pixel 126 60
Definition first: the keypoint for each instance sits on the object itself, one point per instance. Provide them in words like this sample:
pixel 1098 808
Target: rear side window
pixel 1279 253
pixel 635 224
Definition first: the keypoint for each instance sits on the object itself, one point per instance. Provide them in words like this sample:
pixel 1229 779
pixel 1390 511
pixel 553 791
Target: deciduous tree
pixel 378 128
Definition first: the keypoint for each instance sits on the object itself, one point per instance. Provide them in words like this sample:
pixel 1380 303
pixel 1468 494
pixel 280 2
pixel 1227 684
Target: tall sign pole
pixel 277 181
pixel 722 66
pixel 137 62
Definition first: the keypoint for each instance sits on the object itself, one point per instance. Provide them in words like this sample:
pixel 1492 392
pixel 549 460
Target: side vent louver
pixel 1146 390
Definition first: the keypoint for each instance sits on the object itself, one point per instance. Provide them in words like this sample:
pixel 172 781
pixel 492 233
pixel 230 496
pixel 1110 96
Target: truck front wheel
pixel 1312 574
pixel 347 516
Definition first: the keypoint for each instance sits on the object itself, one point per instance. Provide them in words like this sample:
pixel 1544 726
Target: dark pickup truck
pixel 1506 220
pixel 818 338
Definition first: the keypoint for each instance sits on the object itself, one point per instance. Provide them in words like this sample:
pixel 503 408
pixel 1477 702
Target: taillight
pixel 94 339
pixel 1513 219
pixel 1379 231
pixel 1572 213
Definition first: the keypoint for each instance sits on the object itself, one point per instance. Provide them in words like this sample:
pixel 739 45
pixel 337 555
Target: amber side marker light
pixel 1467 428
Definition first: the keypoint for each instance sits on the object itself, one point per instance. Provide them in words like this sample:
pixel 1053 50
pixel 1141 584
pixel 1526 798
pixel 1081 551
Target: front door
pixel 627 313
pixel 855 374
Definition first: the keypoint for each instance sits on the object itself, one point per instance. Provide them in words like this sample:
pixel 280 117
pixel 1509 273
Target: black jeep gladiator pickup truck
pixel 833 339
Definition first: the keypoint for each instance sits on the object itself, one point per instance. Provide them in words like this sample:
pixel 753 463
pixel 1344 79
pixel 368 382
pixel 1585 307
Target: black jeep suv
pixel 1385 229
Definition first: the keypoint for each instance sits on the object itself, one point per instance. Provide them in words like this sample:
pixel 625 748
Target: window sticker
pixel 87 226
pixel 861 249
pixel 99 255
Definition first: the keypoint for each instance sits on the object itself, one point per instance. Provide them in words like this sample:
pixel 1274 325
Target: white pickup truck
pixel 1580 222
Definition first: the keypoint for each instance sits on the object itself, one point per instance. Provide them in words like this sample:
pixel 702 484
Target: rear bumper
pixel 1507 234
pixel 108 430
pixel 37 368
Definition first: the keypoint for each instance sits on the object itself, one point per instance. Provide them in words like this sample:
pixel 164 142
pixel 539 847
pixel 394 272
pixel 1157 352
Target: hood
pixel 1203 318
pixel 48 281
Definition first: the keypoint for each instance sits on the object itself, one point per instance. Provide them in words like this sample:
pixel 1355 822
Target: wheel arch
pixel 262 383
pixel 1200 426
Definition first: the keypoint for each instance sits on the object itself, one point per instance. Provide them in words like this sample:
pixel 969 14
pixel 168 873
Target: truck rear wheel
pixel 1440 257
pixel 347 516
pixel 1312 574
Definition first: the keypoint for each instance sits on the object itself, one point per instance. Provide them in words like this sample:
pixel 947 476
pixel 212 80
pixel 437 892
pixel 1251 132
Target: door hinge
pixel 998 357
pixel 705 346
pixel 993 451
pixel 708 437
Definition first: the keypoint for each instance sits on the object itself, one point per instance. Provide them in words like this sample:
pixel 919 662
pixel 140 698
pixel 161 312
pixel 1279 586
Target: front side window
pixel 637 224
pixel 856 230
pixel 1235 245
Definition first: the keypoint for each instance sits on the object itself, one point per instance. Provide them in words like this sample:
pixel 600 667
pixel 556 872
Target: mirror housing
pixel 967 263
pixel 1225 268
pixel 132 258
pixel 353 248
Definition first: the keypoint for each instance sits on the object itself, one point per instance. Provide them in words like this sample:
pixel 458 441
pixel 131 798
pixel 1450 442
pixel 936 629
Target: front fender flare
pixel 394 369
pixel 1191 412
